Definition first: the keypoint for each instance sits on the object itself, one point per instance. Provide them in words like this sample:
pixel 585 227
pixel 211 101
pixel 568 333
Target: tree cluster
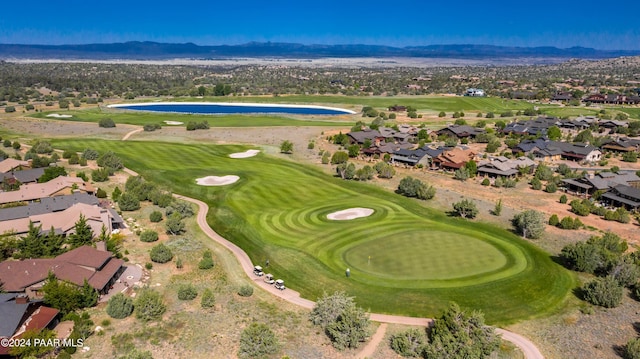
pixel 413 187
pixel 343 322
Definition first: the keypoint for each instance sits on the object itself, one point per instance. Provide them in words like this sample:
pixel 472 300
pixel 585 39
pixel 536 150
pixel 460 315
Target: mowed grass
pixel 420 259
pixel 145 118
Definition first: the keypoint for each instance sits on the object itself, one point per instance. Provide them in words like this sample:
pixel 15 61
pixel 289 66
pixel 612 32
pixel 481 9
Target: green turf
pixel 277 211
pixel 143 118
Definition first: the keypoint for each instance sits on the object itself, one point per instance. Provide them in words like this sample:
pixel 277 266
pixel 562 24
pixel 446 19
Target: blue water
pixel 213 109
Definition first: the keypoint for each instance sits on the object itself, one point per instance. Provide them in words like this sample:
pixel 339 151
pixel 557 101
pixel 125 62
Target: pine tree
pixel 83 233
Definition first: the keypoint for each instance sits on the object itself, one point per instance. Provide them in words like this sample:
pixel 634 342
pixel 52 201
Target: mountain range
pixel 145 50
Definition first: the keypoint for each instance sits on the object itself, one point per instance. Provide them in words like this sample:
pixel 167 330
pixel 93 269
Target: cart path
pixel 529 349
pixel 131 133
pixel 372 345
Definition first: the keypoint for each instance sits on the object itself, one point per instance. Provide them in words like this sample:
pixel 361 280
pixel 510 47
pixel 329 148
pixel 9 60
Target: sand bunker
pixel 174 123
pixel 249 153
pixel 351 213
pixel 216 180
pixel 56 115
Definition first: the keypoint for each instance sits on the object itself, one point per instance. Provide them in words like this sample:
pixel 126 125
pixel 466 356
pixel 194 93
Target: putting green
pixel 421 259
pixel 425 255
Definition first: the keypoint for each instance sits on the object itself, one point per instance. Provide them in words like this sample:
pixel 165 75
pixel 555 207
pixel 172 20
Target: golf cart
pixel 269 279
pixel 257 270
pixel 280 284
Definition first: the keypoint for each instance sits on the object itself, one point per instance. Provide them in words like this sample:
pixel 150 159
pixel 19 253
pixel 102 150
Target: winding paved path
pixel 529 350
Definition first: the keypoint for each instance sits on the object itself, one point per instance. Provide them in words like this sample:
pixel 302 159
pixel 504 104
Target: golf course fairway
pixel 404 258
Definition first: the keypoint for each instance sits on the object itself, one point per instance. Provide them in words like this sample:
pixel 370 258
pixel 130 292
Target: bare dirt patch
pixel 217 180
pixel 349 214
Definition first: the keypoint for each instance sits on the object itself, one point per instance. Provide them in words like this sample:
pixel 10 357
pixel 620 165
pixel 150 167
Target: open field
pixel 142 118
pixel 277 211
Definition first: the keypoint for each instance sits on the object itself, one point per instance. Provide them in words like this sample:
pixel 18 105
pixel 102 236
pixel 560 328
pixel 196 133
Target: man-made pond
pixel 209 108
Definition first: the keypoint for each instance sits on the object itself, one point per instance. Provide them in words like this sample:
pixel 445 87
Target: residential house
pixel 63 222
pixel 360 137
pixel 546 150
pixel 612 124
pixel 623 196
pixel 60 186
pixel 612 99
pixel 453 159
pixel 23 176
pixel 562 96
pixel 47 205
pixel 99 268
pixel 19 314
pixel 421 156
pixel 622 145
pixel 533 127
pixel 11 164
pixel 602 181
pixel 397 108
pixel 504 167
pixel 475 92
pixel 460 131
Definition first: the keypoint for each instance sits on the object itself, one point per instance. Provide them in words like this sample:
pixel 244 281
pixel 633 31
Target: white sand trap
pixel 56 115
pixel 174 123
pixel 351 213
pixel 245 154
pixel 216 180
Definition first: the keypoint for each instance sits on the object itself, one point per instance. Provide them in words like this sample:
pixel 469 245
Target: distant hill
pixel 136 50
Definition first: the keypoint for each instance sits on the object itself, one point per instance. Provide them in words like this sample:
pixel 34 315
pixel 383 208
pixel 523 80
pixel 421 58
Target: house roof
pixel 8 164
pixel 75 266
pixel 361 136
pixel 33 191
pixel 39 320
pixel 462 130
pixel 47 205
pixel 628 191
pixel 63 222
pixel 86 256
pixel 11 314
pixel 24 176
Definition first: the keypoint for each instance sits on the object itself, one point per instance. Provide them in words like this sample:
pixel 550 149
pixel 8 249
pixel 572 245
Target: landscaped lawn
pixel 420 258
pixel 143 118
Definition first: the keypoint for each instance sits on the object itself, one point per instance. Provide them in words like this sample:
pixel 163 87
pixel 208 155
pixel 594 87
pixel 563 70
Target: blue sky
pixel 588 23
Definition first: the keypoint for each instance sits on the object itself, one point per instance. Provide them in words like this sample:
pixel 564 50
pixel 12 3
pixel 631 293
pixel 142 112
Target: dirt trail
pixel 529 350
pixel 126 137
pixel 373 343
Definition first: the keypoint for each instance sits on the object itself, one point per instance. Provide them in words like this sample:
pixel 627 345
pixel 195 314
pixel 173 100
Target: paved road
pixel 529 349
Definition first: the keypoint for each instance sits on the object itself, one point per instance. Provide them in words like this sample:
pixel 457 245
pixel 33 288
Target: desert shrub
pixel 6 143
pixel 110 160
pixel 155 216
pixel 563 199
pixel 409 343
pixel 257 341
pixel 208 299
pixel 160 254
pixel 120 306
pixel 16 145
pixel 465 209
pixel 187 292
pixel 553 220
pixel 90 154
pixel 106 123
pixel 151 127
pixel 632 349
pixel 604 292
pixel 149 305
pixel 551 187
pixel 128 202
pixel 149 236
pixel 530 224
pixel 245 291
pixel 67 154
pixel 99 175
pixel 100 193
pixel 42 147
pixel 206 262
pixel 486 182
